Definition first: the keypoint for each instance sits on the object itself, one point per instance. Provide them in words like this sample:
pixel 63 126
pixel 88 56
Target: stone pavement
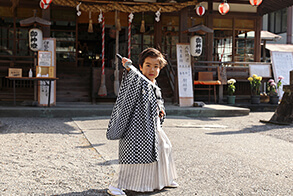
pixel 213 155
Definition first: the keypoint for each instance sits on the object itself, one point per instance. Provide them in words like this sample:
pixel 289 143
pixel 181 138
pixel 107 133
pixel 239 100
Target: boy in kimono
pixel 145 158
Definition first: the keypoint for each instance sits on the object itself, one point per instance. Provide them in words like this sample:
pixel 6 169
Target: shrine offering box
pixel 14 72
pixel 45 71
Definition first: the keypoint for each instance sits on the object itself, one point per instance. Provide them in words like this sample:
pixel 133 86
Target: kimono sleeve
pixel 123 108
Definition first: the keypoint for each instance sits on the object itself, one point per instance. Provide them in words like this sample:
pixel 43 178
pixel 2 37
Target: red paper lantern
pixel 200 10
pixel 47 2
pixel 43 5
pixel 224 8
pixel 255 2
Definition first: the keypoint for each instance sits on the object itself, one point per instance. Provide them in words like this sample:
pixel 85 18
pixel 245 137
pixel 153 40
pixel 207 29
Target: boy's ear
pixel 140 67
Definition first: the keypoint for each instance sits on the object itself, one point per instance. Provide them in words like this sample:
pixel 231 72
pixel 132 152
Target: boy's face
pixel 150 68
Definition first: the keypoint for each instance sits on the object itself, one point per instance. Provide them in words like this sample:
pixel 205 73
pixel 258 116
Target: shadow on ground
pixel 103 192
pixel 252 129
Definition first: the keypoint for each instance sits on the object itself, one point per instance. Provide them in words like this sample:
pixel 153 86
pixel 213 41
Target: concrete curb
pixel 106 110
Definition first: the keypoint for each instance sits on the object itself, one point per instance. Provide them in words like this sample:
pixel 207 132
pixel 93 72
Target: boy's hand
pixel 126 62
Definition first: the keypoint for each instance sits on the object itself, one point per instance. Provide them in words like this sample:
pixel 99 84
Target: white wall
pixel 284 35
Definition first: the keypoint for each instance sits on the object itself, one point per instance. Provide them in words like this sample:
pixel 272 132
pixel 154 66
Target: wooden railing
pixel 236 70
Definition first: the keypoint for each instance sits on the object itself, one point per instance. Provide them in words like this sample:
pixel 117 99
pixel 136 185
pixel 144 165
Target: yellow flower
pixel 250 79
pixel 260 78
pixel 254 75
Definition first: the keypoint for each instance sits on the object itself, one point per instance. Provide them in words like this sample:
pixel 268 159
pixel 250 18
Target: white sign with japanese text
pixel 282 63
pixel 49 44
pixel 185 84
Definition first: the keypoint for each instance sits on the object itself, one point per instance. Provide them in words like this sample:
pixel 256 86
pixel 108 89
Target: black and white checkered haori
pixel 133 121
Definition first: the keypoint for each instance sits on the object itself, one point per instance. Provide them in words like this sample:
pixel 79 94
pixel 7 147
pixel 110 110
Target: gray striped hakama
pixel 148 177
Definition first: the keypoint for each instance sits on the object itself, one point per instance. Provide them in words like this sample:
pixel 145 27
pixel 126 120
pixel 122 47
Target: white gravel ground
pixel 214 156
pixel 49 157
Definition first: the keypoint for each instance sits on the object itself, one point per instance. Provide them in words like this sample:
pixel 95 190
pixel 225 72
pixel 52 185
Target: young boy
pixel 145 156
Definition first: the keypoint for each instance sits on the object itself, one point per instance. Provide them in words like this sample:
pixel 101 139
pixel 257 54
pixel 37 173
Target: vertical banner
pixel 185 84
pixel 49 44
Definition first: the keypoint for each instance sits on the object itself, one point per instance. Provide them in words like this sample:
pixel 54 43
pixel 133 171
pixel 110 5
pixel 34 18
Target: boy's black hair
pixel 153 53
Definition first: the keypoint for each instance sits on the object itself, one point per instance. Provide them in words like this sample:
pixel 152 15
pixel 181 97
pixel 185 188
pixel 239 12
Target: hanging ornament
pixel 130 16
pixel 200 10
pixel 255 2
pixel 47 2
pixel 100 19
pixel 90 29
pixel 142 27
pixel 158 14
pixel 77 9
pixel 224 8
pixel 43 5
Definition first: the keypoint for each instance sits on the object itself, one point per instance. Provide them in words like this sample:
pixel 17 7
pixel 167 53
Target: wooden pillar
pixel 233 40
pixel 210 36
pixel 264 50
pixel 158 35
pixel 257 39
pixel 183 17
pixel 47 16
pixel 289 25
pixel 76 41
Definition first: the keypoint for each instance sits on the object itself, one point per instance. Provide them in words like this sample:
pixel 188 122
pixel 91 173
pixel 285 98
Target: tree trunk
pixel 284 112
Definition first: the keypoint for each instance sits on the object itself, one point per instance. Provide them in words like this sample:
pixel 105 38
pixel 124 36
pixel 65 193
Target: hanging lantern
pixel 47 2
pixel 224 8
pixel 200 10
pixel 35 39
pixel 43 5
pixel 196 45
pixel 255 2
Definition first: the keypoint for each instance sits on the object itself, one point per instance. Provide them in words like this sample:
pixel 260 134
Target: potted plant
pixel 255 82
pixel 273 89
pixel 231 91
pixel 279 83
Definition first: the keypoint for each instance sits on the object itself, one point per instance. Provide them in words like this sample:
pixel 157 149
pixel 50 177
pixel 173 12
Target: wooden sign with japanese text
pixel 184 71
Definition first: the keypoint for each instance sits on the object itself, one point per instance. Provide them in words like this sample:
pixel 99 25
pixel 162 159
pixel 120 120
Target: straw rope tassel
pixel 90 29
pixel 142 27
pixel 103 90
